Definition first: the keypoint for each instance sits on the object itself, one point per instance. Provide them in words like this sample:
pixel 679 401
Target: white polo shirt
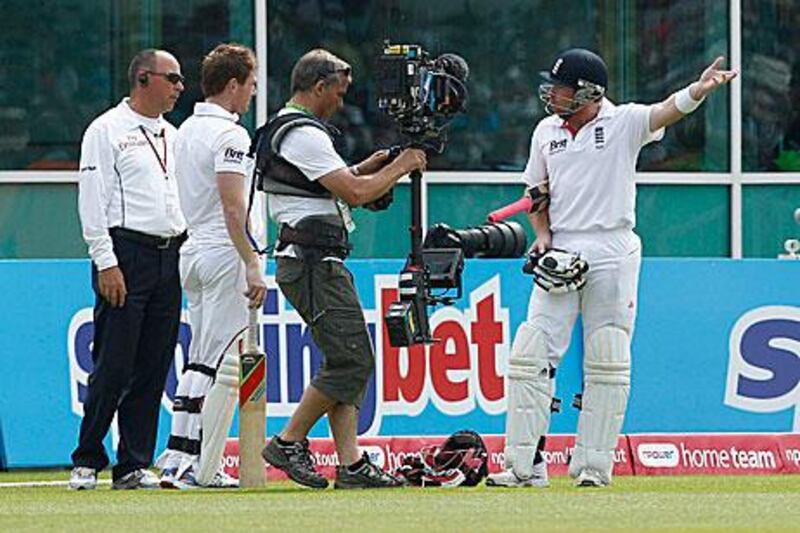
pixel 209 142
pixel 311 150
pixel 127 179
pixel 592 175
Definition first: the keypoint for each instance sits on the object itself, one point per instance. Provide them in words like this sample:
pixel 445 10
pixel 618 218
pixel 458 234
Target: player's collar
pixel 607 109
pixel 210 109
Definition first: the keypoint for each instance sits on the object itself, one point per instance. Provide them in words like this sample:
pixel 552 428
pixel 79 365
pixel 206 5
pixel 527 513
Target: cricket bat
pixel 252 407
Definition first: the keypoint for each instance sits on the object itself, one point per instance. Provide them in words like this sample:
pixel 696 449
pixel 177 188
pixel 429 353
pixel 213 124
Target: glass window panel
pixel 384 234
pixel 770 85
pixel 768 218
pixel 40 221
pixel 672 220
pixel 653 47
pixel 63 62
pixel 684 220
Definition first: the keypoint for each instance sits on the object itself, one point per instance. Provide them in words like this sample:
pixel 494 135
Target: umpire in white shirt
pixel 130 214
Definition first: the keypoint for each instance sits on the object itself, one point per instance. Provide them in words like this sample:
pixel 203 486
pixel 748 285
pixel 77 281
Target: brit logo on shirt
pixel 558 146
pixel 232 155
pixel 599 137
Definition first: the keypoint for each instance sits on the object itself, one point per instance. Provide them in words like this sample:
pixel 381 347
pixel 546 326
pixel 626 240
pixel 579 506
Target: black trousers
pixel 133 347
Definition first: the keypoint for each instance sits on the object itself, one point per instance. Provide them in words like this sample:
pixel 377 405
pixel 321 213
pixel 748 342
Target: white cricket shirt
pixel 592 175
pixel 209 142
pixel 311 150
pixel 127 179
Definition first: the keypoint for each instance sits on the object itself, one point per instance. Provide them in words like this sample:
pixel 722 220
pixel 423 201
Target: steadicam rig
pixel 422 96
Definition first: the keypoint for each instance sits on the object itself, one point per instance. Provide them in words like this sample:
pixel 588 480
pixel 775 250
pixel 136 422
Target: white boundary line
pixel 33 484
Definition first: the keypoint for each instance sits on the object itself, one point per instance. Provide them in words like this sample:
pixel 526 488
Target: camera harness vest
pixel 325 235
pixel 274 174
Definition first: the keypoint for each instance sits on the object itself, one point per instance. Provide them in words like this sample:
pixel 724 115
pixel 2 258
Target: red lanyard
pixel 161 163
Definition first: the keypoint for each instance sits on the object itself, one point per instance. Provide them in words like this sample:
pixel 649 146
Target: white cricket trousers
pixel 608 298
pixel 213 280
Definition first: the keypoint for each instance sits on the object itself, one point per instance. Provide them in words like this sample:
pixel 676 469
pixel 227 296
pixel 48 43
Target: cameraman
pixel 310 191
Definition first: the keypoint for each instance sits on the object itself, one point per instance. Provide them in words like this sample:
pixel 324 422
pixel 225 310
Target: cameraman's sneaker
pixel 138 479
pixel 294 458
pixel 590 478
pixel 367 476
pixel 507 478
pixel 83 478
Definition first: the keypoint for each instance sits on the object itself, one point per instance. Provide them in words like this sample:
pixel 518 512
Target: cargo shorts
pixel 325 297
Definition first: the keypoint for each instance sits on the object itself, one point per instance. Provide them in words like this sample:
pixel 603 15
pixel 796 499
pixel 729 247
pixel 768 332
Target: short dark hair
pixel 316 65
pixel 143 60
pixel 223 63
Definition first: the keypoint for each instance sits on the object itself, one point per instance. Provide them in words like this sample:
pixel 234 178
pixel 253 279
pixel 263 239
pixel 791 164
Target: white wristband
pixel 684 101
pixel 354 170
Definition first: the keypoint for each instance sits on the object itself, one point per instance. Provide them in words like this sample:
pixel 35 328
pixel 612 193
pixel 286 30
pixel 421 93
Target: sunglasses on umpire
pixel 173 77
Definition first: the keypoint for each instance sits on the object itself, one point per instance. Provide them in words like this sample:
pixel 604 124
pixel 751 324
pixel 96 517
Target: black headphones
pixel 144 79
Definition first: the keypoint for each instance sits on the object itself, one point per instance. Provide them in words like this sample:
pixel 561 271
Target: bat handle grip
pixel 252 329
pixel 523 204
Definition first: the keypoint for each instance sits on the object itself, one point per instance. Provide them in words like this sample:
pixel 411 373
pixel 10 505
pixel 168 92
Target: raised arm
pixel 683 102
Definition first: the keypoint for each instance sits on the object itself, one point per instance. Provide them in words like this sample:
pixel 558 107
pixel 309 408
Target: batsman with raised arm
pixel 580 176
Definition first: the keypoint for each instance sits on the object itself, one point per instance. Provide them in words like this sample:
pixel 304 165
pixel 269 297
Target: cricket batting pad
pixel 607 378
pixel 217 413
pixel 530 392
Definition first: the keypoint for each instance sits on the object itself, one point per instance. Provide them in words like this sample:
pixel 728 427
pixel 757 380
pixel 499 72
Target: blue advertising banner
pixel 716 349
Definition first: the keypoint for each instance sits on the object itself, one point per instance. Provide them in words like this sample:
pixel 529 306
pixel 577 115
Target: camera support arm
pixel 407 319
pixel 415 256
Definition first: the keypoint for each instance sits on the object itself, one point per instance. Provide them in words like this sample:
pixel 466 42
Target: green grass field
pixel 633 503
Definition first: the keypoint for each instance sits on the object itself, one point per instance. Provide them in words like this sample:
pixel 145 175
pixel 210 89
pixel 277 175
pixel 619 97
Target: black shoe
pixel 369 476
pixel 294 459
pixel 138 479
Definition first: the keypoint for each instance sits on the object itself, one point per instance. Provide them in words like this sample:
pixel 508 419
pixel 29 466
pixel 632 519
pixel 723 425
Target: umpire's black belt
pixel 152 241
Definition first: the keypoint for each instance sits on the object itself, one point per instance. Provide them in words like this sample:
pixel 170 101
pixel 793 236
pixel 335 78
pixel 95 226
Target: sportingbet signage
pixel 456 376
pixel 713 353
pixel 764 363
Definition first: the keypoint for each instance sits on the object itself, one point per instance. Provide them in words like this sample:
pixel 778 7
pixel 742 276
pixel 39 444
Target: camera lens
pixel 498 239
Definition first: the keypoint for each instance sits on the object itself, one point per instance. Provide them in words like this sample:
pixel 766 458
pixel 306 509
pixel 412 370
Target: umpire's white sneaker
pixel 138 479
pixel 507 478
pixel 83 478
pixel 590 478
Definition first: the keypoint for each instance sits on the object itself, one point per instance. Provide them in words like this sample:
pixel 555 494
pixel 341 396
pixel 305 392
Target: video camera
pixel 420 94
